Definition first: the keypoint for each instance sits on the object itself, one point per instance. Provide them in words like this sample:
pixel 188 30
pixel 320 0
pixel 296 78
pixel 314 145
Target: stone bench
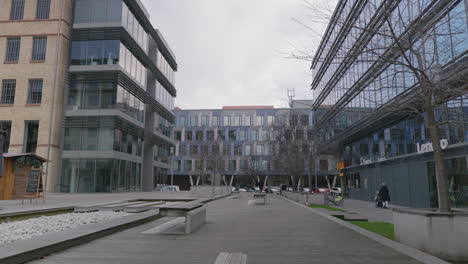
pixel 231 258
pixel 138 208
pixel 260 196
pixel 194 213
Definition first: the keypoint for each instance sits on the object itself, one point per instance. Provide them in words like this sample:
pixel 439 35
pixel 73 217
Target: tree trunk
pixel 441 176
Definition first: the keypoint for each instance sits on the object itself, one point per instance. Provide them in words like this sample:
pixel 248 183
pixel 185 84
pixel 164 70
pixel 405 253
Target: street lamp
pixel 172 166
pixel 2 138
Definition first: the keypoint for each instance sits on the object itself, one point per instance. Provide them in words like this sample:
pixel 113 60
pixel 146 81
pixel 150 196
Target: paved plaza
pixel 280 232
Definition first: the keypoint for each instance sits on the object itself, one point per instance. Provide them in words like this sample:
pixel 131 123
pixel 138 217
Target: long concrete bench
pixel 194 213
pixel 231 258
pixel 138 208
pixel 93 207
pixel 260 196
pixel 117 207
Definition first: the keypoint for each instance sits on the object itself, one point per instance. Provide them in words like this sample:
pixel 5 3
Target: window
pixel 13 49
pixel 259 121
pixel 226 120
pixel 260 149
pixel 43 9
pixel 193 150
pixel 221 135
pixel 30 133
pixel 248 121
pixel 204 121
pixel 188 165
pixel 270 120
pixel 253 135
pixel 236 121
pixel 8 92
pixel 248 149
pixel 232 165
pixel 188 136
pixel 232 135
pixel 17 9
pixel 178 135
pixel 227 149
pixel 237 150
pixel 199 135
pixel 35 91
pixel 210 135
pixel 39 48
pixel 243 135
pixel 215 121
pixel 182 150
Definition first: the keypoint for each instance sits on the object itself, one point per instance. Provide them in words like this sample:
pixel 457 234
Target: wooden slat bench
pixel 194 213
pixel 260 196
pixel 231 258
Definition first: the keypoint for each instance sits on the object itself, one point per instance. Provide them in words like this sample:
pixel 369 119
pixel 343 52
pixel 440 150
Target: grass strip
pixel 326 207
pixel 380 228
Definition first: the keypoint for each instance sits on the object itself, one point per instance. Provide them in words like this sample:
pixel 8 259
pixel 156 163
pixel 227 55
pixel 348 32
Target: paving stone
pixel 276 233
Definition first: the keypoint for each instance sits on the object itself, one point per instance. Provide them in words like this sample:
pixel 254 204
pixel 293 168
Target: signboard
pixel 424 148
pixel 34 181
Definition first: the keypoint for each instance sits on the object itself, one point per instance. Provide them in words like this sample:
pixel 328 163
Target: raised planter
pixel 302 197
pixel 444 235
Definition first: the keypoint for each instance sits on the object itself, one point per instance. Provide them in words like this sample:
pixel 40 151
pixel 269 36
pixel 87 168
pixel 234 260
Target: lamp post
pixel 2 138
pixel 172 166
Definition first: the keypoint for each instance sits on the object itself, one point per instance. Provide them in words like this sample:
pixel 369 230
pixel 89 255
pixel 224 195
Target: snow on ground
pixel 25 229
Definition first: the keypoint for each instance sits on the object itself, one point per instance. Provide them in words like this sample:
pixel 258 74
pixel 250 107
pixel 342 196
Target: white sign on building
pixel 427 147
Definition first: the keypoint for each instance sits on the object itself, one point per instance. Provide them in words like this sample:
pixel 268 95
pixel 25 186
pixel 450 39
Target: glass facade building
pixel 119 107
pixel 232 143
pixel 358 80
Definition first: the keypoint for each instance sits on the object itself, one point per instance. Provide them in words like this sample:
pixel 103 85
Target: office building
pixel 358 83
pixel 89 85
pixel 238 143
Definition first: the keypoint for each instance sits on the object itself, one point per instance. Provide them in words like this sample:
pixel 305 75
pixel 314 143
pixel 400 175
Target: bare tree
pixel 293 155
pixel 408 43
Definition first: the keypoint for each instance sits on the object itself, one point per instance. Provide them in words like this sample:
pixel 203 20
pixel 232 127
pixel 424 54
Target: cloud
pixel 229 51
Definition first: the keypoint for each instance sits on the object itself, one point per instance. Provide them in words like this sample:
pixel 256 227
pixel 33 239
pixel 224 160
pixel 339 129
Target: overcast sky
pixel 229 52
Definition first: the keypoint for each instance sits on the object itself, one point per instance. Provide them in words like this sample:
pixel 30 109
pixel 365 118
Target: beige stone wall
pixel 50 112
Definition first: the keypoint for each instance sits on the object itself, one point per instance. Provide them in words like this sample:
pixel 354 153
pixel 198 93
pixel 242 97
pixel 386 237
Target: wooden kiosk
pixel 23 177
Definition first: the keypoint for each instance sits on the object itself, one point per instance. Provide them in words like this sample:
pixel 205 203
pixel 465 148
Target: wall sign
pixel 427 147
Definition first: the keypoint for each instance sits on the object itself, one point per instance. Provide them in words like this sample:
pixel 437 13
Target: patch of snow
pixel 26 229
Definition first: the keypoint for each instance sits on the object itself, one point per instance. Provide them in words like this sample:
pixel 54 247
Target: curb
pixel 406 250
pixel 31 249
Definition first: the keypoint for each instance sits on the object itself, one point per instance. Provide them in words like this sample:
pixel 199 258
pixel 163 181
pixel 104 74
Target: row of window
pixel 14 45
pixel 162 125
pixel 17 9
pixel 223 165
pixel 97 11
pixel 241 120
pixel 134 28
pixel 132 65
pixel 102 139
pixel 164 97
pixel 8 92
pixel 225 149
pixel 100 175
pixel 229 135
pixel 104 95
pixel 165 68
pixel 31 132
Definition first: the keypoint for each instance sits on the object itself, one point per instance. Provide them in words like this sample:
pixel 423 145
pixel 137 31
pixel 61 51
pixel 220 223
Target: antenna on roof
pixel 291 95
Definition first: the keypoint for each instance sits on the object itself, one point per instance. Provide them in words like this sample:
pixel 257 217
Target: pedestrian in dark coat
pixel 384 195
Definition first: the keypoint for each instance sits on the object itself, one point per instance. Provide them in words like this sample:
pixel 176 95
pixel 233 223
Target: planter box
pixel 300 197
pixel 444 235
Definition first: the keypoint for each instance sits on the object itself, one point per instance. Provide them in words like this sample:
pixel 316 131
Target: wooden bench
pixel 260 196
pixel 194 213
pixel 231 258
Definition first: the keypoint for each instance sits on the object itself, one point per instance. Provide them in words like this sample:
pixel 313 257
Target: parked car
pixel 170 188
pixel 242 190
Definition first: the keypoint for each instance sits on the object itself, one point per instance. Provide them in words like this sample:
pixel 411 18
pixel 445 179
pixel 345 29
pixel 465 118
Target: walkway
pixel 280 232
pixel 369 211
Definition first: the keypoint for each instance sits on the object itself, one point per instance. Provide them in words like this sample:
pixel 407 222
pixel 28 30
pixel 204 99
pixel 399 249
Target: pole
pixel 2 170
pixel 172 166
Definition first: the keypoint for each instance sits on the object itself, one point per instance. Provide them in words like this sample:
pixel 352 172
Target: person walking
pixel 384 195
